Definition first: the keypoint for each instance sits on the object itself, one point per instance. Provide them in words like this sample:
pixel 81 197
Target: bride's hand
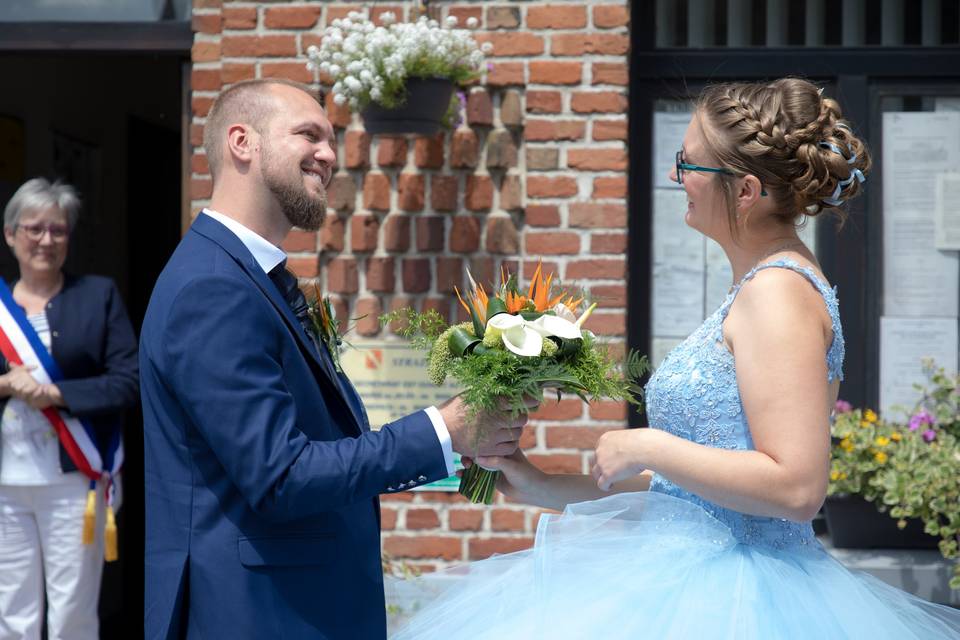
pixel 518 479
pixel 619 456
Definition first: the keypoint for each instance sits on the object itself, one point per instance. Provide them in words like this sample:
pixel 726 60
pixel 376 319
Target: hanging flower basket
pixel 400 76
pixel 423 111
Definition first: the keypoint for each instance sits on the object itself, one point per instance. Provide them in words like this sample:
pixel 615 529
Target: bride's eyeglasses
pixel 683 166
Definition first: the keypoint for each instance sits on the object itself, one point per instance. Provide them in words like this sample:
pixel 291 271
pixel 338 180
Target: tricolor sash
pixel 20 345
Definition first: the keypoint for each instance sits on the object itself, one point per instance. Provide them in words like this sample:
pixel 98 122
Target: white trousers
pixel 41 551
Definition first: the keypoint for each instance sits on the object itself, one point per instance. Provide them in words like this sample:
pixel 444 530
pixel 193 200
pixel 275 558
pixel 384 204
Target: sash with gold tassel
pixel 20 344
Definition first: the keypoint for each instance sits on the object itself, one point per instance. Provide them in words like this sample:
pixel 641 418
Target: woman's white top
pixel 29 448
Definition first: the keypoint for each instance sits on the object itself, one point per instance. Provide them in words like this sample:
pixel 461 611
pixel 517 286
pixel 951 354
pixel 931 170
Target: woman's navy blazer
pixel 93 343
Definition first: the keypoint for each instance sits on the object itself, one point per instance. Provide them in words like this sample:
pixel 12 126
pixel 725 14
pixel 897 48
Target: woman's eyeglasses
pixel 683 166
pixel 58 232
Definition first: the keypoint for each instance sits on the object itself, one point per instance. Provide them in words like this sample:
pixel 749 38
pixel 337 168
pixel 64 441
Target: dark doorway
pixel 153 206
pixel 153 230
pixel 109 124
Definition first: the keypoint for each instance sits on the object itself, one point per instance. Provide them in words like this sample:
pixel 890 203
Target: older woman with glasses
pixel 70 358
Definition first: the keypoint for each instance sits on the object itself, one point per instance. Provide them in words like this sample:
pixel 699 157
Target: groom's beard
pixel 301 208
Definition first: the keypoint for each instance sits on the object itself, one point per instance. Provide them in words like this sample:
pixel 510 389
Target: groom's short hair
pixel 249 102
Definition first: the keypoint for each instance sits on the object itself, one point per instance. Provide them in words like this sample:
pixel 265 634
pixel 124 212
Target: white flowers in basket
pixel 373 63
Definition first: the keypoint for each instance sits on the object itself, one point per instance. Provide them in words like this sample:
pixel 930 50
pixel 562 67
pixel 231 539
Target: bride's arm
pixel 520 480
pixel 779 348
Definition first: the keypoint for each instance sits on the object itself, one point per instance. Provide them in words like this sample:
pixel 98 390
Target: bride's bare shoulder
pixel 777 302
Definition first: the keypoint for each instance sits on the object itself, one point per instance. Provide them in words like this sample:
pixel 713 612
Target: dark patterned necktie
pixel 286 283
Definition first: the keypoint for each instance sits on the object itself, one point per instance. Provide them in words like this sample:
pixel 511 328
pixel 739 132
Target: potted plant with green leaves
pixel 864 445
pixel 905 472
pixel 922 481
pixel 400 76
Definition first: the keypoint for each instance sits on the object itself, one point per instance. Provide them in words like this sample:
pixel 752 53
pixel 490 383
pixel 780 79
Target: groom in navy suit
pixel 262 473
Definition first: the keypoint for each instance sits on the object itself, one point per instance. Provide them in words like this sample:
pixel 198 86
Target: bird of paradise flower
pixel 538 298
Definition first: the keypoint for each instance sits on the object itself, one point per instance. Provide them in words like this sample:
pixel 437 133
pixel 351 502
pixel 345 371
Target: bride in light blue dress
pixel 699 527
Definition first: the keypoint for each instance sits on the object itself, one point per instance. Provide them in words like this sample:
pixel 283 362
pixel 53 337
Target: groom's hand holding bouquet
pixel 490 433
pixel 516 345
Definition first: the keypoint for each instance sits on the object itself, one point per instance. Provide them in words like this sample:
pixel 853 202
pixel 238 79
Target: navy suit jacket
pixel 262 517
pixel 92 342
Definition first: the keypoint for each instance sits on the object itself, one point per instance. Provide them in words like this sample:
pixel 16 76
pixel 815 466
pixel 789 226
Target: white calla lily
pixel 525 337
pixel 556 326
pixel 586 314
pixel 516 335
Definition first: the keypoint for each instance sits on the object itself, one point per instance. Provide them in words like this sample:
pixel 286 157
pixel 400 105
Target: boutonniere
pixel 326 326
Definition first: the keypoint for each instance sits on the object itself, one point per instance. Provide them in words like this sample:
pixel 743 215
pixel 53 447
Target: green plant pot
pixel 422 113
pixel 855 523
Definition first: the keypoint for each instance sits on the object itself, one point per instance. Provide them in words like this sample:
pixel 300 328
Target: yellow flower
pixel 880 457
pixel 881 441
pixel 846 445
pixel 896 437
pixel 869 415
pixel 843 475
pixel 864 423
pixel 834 475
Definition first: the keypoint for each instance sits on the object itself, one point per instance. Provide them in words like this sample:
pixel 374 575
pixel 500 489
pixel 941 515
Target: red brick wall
pixel 538 170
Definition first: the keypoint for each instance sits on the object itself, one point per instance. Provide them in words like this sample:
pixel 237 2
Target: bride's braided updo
pixel 790 137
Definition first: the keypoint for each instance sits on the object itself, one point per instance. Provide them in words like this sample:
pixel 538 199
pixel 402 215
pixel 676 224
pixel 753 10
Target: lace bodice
pixel 694 395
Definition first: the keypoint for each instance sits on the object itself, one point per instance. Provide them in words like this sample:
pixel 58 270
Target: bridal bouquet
pixel 516 345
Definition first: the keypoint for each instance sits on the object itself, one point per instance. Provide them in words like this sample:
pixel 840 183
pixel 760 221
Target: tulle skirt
pixel 649 565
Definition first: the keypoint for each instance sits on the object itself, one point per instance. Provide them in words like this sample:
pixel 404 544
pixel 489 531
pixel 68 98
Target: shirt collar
pixel 264 252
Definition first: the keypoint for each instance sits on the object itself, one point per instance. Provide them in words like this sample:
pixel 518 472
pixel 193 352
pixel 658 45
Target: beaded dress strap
pixel 835 353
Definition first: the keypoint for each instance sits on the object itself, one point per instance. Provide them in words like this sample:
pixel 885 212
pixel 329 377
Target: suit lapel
pixel 231 244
